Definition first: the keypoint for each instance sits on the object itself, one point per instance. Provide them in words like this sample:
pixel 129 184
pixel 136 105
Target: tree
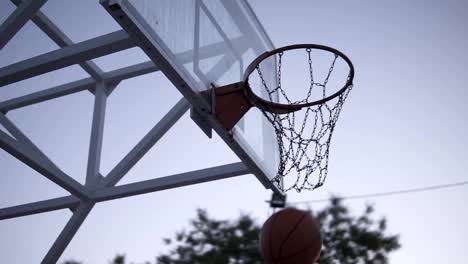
pixel 119 259
pixel 213 241
pixel 346 239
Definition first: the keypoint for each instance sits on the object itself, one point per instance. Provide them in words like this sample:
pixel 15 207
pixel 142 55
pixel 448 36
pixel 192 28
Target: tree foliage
pixel 346 239
pixel 119 259
pixel 214 241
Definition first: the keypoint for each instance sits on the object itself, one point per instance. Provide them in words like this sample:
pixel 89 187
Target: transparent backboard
pixel 210 42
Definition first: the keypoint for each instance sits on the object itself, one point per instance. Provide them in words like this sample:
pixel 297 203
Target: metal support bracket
pixel 231 104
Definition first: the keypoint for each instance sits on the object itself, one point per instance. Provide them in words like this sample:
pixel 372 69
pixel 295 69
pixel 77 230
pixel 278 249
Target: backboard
pixel 204 42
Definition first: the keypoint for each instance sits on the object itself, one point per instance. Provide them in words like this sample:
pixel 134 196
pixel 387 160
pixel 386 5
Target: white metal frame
pixel 97 187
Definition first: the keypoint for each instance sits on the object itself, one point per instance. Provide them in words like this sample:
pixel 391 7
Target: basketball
pixel 290 236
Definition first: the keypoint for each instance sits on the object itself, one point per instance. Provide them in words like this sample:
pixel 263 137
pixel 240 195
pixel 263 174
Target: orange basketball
pixel 290 236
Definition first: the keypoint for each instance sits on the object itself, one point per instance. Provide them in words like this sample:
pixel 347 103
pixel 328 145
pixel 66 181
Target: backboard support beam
pixel 103 193
pixel 18 19
pixel 61 39
pixel 64 57
pixel 99 188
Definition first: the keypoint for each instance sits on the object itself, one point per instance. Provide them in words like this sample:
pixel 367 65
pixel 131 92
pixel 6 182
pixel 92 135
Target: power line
pixel 398 192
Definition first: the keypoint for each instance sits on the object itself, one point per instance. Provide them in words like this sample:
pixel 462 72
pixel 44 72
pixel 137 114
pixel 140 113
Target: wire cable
pixel 390 193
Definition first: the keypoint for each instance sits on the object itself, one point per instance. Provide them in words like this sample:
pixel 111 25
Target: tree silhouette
pixel 71 262
pixel 119 259
pixel 214 241
pixel 346 239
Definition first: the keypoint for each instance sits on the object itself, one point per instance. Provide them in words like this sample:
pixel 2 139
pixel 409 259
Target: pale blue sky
pixel 403 126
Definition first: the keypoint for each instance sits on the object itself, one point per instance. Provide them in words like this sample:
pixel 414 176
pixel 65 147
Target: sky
pixel 403 127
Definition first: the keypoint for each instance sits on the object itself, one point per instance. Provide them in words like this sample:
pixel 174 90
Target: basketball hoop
pixel 303 146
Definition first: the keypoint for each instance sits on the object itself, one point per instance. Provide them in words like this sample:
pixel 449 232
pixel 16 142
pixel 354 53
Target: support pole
pixel 97 132
pixel 67 234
